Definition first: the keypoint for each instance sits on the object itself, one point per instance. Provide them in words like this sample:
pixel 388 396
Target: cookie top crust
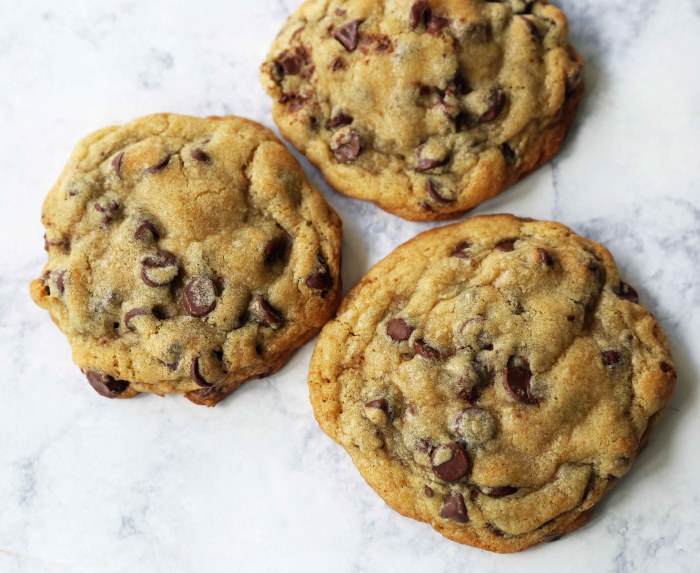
pixel 425 107
pixel 493 378
pixel 186 255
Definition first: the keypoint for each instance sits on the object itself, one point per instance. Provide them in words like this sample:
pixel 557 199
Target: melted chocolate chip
pixel 497 101
pixel 146 231
pixel 534 30
pixel 545 257
pixel 571 318
pixel 291 65
pixel 320 280
pixel 274 249
pixel 398 329
pixel 196 375
pixel 460 250
pixel 350 151
pixel 626 292
pixel 436 24
pixel 162 164
pixel 380 404
pixel 264 314
pixel 134 312
pixel 435 192
pixel 455 467
pixel 516 380
pixel 199 296
pixel 426 351
pixel 453 508
pixel 665 366
pixel 506 246
pixel 340 120
pixel 428 491
pixel 347 35
pixel 338 64
pixel 105 385
pixel 508 154
pixel 501 491
pixel 428 163
pixel 200 155
pixel 417 13
pixel 611 357
pixel 159 270
pixel 117 164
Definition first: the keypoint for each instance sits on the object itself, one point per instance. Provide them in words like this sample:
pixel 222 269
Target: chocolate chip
pixel 626 292
pixel 516 380
pixel 428 491
pixel 162 164
pixel 48 244
pixel 338 64
pixel 160 269
pixel 500 491
pixel 340 120
pixel 146 231
pixel 460 250
pixel 426 351
pixel 534 30
pixel 105 385
pixel 428 163
pixel 99 208
pixel 199 155
pixel 291 65
pixel 611 357
pixel 380 404
pixel 545 257
pixel 199 296
pixel 453 508
pixel 133 313
pixel 264 314
pixel 422 444
pixel 665 366
pixel 349 151
pixel 497 101
pixel 450 462
pixel 506 246
pixel 117 164
pixel 196 375
pixel 436 23
pixel 571 318
pixel 347 35
pixel 274 249
pixel 398 329
pixel 320 280
pixel 508 154
pixel 294 102
pixel 434 190
pixel 417 13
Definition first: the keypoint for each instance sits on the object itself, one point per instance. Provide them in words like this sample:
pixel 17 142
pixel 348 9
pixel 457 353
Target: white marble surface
pixel 153 485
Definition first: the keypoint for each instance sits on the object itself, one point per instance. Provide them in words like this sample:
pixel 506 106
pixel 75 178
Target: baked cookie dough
pixel 425 107
pixel 187 256
pixel 493 378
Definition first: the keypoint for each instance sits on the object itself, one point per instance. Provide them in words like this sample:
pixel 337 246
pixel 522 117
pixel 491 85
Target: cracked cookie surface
pixel 494 378
pixel 427 107
pixel 186 255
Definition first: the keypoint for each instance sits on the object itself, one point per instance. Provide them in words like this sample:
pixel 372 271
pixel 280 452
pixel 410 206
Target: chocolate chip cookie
pixel 186 255
pixel 494 378
pixel 425 107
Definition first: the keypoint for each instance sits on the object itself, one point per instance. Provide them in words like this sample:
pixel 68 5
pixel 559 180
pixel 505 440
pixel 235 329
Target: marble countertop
pixel 151 484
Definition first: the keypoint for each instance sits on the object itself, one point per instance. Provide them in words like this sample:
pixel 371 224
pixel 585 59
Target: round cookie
pixel 493 378
pixel 425 107
pixel 186 255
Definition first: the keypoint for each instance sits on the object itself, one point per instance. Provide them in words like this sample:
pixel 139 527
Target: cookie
pixel 186 255
pixel 493 378
pixel 425 107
